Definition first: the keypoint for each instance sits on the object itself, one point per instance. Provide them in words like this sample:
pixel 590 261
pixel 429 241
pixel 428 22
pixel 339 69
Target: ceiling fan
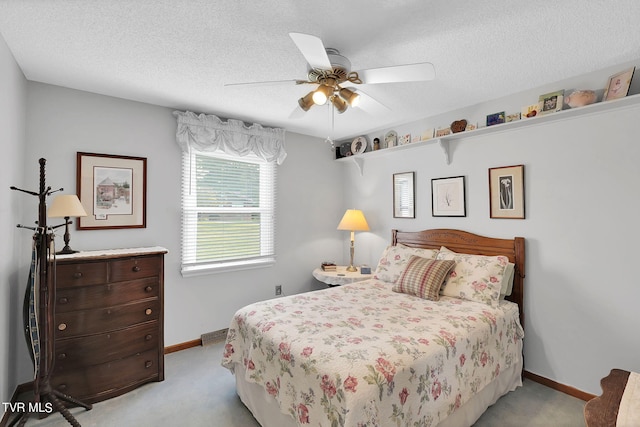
pixel 331 71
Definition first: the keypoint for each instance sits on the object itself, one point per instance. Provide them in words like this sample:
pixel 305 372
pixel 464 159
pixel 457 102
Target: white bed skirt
pixel 266 410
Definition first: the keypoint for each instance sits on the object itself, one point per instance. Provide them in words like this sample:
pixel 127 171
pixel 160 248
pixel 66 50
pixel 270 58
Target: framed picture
pixel 618 85
pixel 495 119
pixel 113 191
pixel 506 192
pixel 448 196
pixel 404 195
pixel 551 102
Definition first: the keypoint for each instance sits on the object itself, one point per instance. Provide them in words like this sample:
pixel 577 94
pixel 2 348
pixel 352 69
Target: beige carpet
pixel 197 392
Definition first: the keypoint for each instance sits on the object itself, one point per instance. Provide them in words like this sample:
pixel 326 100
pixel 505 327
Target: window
pixel 228 212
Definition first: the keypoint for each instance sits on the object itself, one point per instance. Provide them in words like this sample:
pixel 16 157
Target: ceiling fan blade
pixel 370 105
pixel 267 83
pixel 399 73
pixel 297 113
pixel 312 49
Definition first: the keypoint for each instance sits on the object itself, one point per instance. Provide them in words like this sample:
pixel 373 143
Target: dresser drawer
pixel 106 295
pixel 135 268
pixel 94 321
pixel 84 274
pixel 74 353
pixel 98 382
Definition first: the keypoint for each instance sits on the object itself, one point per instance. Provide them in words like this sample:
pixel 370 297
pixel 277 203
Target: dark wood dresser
pixel 109 322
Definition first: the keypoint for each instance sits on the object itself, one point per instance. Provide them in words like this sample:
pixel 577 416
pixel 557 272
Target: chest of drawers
pixel 109 335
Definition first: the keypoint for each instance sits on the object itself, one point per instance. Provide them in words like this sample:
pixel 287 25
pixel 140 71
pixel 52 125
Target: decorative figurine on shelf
pixel 580 98
pixel 376 144
pixel 458 126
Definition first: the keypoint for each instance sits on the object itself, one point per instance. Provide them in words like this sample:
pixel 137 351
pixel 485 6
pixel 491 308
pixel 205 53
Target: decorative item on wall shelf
pixel 580 98
pixel 448 196
pixel 495 118
pixel 391 139
pixel 471 126
pixel 506 192
pixel 415 138
pixel 359 145
pixel 459 126
pixel 427 134
pixel 443 132
pixel 376 144
pixel 404 195
pixel 551 102
pixel 512 117
pixel 618 85
pixel 529 111
pixel 404 139
pixel 113 191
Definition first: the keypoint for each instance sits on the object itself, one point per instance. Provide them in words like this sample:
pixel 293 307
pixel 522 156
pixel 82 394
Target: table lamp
pixel 65 206
pixel 353 220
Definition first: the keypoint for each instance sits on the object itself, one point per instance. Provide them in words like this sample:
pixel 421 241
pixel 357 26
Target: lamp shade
pixel 353 220
pixel 66 205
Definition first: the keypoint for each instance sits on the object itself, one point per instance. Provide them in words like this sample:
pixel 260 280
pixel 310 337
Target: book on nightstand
pixel 328 266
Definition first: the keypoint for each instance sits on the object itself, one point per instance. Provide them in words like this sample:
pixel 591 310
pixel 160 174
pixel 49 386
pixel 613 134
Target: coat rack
pixel 39 311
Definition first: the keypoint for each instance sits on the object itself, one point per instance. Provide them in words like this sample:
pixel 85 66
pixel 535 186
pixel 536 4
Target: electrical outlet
pixel 278 290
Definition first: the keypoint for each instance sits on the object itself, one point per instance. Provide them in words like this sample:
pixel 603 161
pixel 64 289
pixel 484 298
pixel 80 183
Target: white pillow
pixel 394 259
pixel 506 285
pixel 475 277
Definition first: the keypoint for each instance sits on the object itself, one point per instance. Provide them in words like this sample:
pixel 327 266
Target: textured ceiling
pixel 180 53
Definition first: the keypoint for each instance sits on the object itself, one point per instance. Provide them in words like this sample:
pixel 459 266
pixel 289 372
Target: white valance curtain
pixel 209 133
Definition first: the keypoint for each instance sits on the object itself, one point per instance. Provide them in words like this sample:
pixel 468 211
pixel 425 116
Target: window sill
pixel 225 267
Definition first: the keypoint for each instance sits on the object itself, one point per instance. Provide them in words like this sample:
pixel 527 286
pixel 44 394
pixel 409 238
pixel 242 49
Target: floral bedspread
pixel 363 355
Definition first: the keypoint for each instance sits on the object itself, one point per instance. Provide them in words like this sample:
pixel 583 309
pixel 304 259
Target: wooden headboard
pixel 469 243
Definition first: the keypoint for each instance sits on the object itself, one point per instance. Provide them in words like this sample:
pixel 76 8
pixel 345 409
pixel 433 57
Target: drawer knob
pixel 77 275
pixel 136 268
pixel 62 356
pixel 148 311
pixel 148 364
pixel 63 300
pixel 62 326
pixel 148 337
pixel 148 289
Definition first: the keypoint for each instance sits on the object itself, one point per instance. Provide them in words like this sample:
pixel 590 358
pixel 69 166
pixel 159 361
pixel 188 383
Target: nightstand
pixel 340 276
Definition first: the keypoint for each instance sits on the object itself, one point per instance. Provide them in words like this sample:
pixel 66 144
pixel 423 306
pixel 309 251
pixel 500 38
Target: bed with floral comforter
pixel 364 355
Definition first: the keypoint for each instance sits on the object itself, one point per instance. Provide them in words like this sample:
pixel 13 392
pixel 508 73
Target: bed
pixel 398 349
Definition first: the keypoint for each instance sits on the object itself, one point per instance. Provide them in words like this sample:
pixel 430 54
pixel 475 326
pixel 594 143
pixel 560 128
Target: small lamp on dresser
pixel 66 206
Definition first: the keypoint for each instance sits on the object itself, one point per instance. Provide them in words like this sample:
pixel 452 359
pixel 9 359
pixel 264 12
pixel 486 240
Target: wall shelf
pixel 597 108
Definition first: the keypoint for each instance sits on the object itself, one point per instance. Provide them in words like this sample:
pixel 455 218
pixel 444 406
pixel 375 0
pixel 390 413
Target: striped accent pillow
pixel 423 277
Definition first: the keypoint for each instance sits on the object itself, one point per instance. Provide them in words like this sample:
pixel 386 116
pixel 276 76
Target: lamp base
pixel 352 268
pixel 65 251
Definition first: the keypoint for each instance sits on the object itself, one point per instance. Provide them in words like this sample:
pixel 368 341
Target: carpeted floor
pixel 197 392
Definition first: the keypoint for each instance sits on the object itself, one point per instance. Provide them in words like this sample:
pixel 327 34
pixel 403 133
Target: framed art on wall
pixel 506 192
pixel 448 196
pixel 404 195
pixel 113 191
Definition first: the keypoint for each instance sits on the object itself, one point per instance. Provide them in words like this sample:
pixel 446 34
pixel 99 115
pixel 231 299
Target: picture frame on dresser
pixel 112 190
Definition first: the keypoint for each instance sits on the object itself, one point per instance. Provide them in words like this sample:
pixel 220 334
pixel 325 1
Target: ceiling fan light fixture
pixel 350 96
pixel 339 104
pixel 321 94
pixel 306 101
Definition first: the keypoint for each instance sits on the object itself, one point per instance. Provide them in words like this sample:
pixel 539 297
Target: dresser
pixel 109 336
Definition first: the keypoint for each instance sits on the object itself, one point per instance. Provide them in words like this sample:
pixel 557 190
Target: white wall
pixel 12 139
pixel 62 122
pixel 581 228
